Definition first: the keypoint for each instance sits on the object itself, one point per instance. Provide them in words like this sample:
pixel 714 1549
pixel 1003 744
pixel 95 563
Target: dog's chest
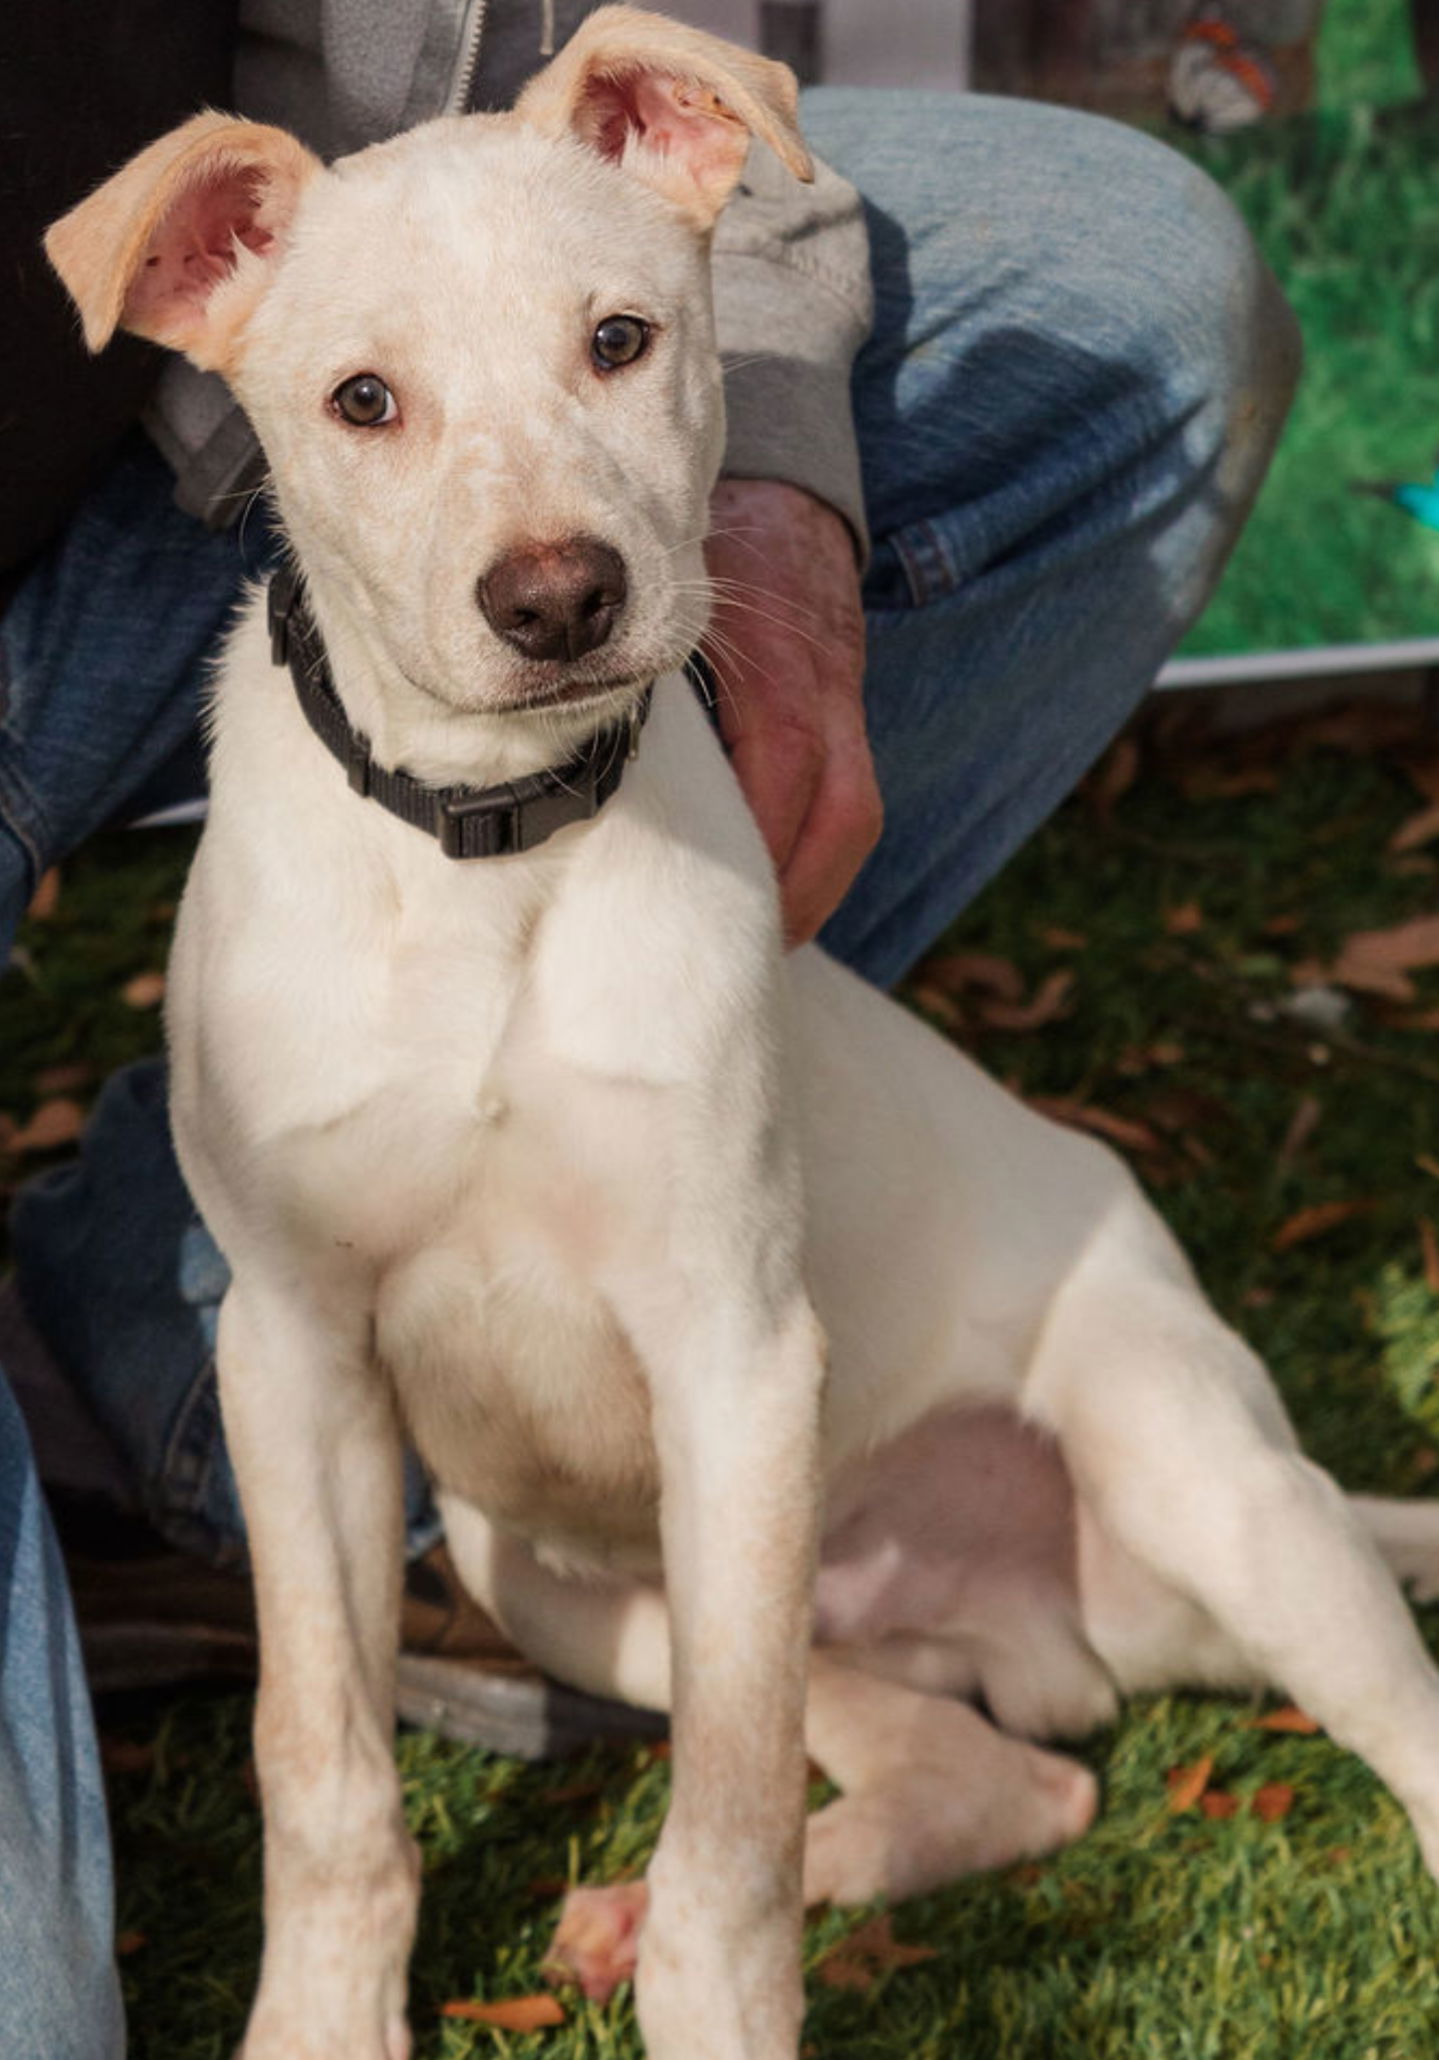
pixel 486 1189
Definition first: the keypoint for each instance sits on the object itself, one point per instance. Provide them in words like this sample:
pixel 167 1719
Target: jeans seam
pixel 23 814
pixel 177 1495
pixel 925 560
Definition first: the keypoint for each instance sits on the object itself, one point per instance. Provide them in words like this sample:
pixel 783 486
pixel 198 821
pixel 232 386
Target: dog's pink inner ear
pixel 683 131
pixel 195 247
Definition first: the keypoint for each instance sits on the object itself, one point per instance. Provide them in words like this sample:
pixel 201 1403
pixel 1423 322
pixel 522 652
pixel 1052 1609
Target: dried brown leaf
pixel 1290 1719
pixel 46 898
pixel 1218 1802
pixel 1380 961
pixel 1316 1221
pixel 127 1942
pixel 513 2013
pixel 1114 776
pixel 937 1003
pixel 1302 1126
pixel 1210 783
pixel 1056 938
pixel 1273 1801
pixel 1429 1246
pixel 54 1123
pixel 125 1755
pixel 1045 1005
pixel 1417 830
pixel 1280 926
pixel 145 991
pixel 856 1961
pixel 1120 1130
pixel 1187 1784
pixel 955 970
pixel 62 1079
pixel 573 1792
pixel 1184 920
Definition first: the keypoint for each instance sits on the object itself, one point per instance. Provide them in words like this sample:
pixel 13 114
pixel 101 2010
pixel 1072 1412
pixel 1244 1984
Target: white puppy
pixel 547 1159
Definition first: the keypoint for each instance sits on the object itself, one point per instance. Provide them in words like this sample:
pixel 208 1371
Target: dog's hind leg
pixel 1178 1446
pixel 931 1790
pixel 316 1449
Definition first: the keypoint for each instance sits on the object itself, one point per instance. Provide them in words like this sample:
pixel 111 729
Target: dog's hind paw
pixel 597 1940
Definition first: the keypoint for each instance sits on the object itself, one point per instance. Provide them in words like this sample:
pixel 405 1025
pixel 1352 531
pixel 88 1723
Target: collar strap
pixel 470 822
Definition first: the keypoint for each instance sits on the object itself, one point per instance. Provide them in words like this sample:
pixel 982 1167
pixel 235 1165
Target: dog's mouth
pixel 575 696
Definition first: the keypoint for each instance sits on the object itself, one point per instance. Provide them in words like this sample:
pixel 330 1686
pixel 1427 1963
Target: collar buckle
pixel 359 765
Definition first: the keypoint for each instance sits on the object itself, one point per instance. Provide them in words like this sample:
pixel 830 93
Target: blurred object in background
pixel 1219 67
pixel 850 42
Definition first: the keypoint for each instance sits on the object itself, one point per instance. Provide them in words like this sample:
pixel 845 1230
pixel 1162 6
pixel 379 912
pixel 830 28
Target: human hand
pixel 787 645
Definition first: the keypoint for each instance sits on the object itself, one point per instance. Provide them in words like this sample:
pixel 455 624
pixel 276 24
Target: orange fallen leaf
pixel 1273 1801
pixel 62 1079
pixel 44 900
pixel 573 1792
pixel 1289 1718
pixel 1120 1130
pixel 1280 926
pixel 1115 775
pixel 545 1887
pixel 514 2013
pixel 1302 1126
pixel 54 1123
pixel 145 991
pixel 1429 1246
pixel 1417 1019
pixel 1187 1784
pixel 856 1962
pixel 1184 920
pixel 955 970
pixel 128 1942
pixel 125 1755
pixel 1218 1803
pixel 1206 783
pixel 937 1003
pixel 1044 1005
pixel 1057 938
pixel 1315 1221
pixel 1380 961
pixel 1420 829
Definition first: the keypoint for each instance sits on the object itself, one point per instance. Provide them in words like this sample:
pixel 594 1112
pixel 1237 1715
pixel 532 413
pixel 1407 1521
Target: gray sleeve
pixel 792 306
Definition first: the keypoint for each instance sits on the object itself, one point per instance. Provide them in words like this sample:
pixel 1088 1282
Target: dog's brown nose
pixel 554 600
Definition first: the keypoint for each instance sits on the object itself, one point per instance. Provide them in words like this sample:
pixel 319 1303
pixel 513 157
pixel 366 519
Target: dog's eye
pixel 364 400
pixel 619 340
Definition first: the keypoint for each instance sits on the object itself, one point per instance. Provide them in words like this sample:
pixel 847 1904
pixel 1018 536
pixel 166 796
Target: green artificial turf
pixel 1181 913
pixel 1345 205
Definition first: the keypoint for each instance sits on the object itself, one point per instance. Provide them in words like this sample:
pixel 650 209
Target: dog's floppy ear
pixel 673 106
pixel 178 245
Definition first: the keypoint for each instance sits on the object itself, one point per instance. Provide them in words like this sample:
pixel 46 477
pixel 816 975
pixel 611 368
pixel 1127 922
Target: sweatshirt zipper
pixel 462 83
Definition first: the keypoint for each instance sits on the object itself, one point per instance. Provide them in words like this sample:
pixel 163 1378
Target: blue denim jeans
pixel 1077 373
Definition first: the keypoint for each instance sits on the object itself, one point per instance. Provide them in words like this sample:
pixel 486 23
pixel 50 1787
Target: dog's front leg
pixel 736 1390
pixel 312 1431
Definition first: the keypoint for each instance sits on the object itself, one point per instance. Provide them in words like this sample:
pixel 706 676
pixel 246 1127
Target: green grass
pixel 1345 205
pixel 1315 1937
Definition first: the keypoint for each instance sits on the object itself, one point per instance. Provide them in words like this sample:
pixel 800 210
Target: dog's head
pixel 480 357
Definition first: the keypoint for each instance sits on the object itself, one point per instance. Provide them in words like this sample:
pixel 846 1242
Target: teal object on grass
pixel 1422 502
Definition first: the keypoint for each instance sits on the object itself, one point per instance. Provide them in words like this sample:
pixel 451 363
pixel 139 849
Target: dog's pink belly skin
pixel 929 1532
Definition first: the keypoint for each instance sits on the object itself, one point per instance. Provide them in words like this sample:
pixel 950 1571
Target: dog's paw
pixel 908 1834
pixel 597 1940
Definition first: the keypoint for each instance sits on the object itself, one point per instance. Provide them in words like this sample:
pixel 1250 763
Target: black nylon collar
pixel 470 822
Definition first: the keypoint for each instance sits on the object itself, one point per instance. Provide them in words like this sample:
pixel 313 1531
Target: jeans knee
pixel 1223 341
